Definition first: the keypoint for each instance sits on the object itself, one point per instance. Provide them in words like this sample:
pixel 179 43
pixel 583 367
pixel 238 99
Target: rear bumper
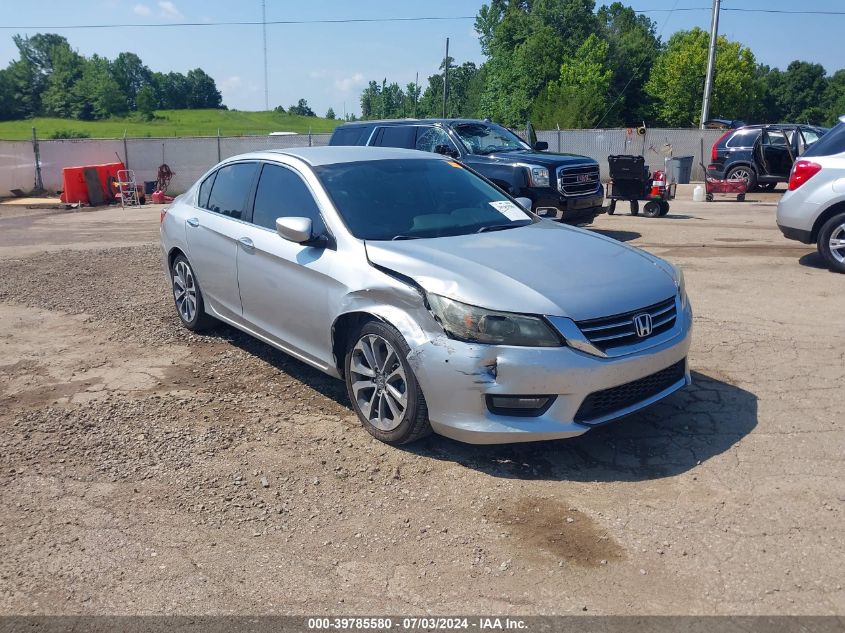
pixel 799 235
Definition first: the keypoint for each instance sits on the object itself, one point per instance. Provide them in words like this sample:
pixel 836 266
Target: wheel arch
pixel 172 254
pixel 347 324
pixel 824 216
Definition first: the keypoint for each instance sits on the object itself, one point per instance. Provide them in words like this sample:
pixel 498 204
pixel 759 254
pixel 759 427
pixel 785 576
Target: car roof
pixel 385 122
pixel 330 155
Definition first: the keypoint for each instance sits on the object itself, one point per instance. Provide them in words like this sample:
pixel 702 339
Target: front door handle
pixel 246 242
pixel 193 222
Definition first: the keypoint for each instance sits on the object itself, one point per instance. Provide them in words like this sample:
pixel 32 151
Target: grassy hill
pixel 171 123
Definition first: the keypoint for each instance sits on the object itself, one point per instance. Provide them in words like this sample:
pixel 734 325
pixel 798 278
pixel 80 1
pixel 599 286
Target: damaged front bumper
pixel 460 380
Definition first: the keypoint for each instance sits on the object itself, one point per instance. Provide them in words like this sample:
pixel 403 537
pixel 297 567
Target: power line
pixel 240 23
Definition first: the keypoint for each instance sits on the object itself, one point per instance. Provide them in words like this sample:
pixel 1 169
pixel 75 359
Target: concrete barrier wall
pixel 190 157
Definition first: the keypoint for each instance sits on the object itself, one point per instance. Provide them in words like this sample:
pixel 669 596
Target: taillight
pixel 801 172
pixel 163 213
pixel 714 156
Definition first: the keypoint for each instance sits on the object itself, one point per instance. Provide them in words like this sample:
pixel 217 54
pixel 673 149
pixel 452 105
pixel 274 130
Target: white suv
pixel 813 210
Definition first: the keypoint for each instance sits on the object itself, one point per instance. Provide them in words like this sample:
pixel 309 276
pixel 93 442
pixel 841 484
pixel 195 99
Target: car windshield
pixel 416 198
pixel 486 138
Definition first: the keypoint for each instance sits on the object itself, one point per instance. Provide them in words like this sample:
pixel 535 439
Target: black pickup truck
pixel 565 187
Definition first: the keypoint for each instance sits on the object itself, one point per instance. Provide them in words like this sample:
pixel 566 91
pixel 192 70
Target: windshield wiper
pixel 405 237
pixel 502 227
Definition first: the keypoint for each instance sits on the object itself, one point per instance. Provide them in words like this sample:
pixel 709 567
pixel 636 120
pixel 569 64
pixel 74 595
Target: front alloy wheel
pixel 382 386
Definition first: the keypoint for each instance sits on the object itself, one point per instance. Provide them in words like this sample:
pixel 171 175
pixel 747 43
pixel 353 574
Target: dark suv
pixel 564 187
pixel 762 155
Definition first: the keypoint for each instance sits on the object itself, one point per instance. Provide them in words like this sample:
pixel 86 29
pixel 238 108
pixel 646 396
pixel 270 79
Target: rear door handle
pixel 246 242
pixel 193 222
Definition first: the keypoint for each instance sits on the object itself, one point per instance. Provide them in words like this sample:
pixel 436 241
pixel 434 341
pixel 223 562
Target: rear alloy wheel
pixel 382 387
pixel 187 295
pixel 744 173
pixel 832 242
pixel 652 209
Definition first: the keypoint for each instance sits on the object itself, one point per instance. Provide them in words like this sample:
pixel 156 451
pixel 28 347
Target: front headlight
pixel 477 325
pixel 539 177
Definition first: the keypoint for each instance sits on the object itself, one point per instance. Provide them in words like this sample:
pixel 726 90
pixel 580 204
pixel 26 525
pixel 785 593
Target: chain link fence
pixel 190 157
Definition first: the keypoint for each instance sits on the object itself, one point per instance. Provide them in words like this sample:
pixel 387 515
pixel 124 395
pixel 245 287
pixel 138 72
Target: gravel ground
pixel 147 470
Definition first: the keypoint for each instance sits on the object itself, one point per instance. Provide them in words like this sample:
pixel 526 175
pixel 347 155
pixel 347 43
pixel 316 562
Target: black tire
pixel 635 207
pixel 198 320
pixel 709 197
pixel 611 209
pixel 664 208
pixel 651 209
pixel 740 171
pixel 836 224
pixel 740 197
pixel 414 422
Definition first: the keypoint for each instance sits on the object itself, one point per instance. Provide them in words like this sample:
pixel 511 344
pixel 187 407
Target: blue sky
pixel 329 64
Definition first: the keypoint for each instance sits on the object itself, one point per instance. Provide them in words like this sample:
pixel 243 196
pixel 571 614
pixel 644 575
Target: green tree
pixel 202 91
pixel 131 75
pixel 580 96
pixel 633 46
pixel 677 79
pixel 834 97
pixel 96 94
pixel 801 92
pixel 525 41
pixel 371 101
pixel 59 97
pixel 301 108
pixel 171 90
pixel 145 101
pixel 330 114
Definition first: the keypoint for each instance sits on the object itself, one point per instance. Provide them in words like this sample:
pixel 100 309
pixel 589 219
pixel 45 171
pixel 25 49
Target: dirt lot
pixel 144 469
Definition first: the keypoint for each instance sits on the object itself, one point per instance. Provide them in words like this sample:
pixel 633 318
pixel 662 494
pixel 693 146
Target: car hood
pixel 546 159
pixel 545 268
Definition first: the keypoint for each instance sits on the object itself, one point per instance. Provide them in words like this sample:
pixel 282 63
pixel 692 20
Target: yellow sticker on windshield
pixel 453 164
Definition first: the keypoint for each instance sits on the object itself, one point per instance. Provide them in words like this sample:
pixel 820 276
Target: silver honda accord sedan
pixel 442 303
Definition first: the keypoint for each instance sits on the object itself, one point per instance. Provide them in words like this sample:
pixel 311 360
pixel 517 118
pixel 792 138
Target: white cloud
pixel 230 83
pixel 348 83
pixel 168 9
pixel 142 9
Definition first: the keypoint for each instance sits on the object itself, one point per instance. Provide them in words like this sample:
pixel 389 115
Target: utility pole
pixel 416 92
pixel 445 77
pixel 711 64
pixel 264 32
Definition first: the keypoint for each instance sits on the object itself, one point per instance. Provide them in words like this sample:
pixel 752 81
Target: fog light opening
pixel 522 406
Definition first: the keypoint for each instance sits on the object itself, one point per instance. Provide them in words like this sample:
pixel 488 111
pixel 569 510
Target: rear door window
pixel 283 193
pixel 205 190
pixel 229 191
pixel 352 135
pixel 396 136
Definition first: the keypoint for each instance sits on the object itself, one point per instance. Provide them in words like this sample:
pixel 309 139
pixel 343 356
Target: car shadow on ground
pixel 620 236
pixel 670 438
pixel 813 260
pixel 667 439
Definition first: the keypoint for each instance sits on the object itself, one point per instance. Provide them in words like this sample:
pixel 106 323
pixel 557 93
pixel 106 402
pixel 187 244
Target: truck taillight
pixel 714 155
pixel 801 172
pixel 163 213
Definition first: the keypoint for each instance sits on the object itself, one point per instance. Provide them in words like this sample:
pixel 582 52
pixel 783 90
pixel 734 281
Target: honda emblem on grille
pixel 643 324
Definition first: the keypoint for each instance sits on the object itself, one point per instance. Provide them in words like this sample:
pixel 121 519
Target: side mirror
pixel 541 146
pixel 525 203
pixel 298 230
pixel 445 150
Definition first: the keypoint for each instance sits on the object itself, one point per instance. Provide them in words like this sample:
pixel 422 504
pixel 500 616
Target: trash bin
pixel 682 168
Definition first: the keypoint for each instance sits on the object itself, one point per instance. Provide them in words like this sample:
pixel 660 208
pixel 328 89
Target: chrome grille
pixel 579 180
pixel 619 330
pixel 601 403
